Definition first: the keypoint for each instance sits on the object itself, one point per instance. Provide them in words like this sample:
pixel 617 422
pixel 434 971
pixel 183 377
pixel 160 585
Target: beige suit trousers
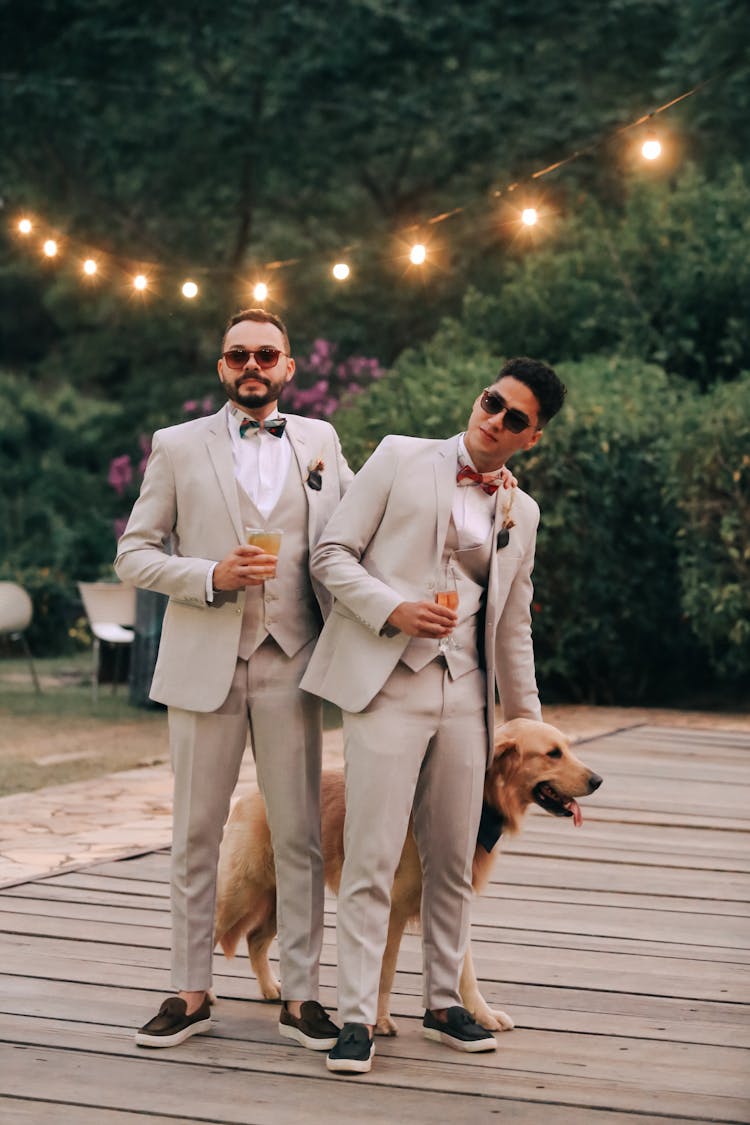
pixel 420 744
pixel 207 750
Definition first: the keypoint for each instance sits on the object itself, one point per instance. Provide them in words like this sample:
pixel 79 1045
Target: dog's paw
pixel 493 1019
pixel 270 988
pixel 386 1026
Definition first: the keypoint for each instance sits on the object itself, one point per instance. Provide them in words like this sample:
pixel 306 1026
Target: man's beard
pixel 252 399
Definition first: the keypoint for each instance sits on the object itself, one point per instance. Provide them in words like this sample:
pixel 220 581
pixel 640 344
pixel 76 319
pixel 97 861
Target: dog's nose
pixel 594 782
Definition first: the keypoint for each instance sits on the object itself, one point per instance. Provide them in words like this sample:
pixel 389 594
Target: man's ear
pixel 533 439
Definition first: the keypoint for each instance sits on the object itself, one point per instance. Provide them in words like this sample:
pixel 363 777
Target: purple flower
pixel 120 473
pixel 190 406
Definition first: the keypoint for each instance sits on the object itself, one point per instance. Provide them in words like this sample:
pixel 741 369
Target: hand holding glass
pixel 267 538
pixel 446 594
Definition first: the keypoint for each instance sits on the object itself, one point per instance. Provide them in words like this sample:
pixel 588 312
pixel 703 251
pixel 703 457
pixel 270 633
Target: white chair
pixel 110 608
pixel 16 611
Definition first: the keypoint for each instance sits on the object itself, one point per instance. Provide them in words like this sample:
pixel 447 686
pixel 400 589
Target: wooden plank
pixel 419 1071
pixel 23 1111
pixel 663 926
pixel 595 1015
pixel 570 965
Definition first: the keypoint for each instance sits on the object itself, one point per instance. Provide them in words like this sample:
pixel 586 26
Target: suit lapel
pixel 445 487
pixel 219 446
pixel 301 449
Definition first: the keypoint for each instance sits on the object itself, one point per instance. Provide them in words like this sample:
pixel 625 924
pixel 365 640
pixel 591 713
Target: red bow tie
pixel 488 482
pixel 273 426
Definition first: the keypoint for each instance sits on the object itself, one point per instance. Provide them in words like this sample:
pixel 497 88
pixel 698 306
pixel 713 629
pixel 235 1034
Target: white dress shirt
pixel 261 463
pixel 473 509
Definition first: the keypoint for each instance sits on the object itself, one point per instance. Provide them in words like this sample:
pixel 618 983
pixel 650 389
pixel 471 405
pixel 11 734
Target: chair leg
pixel 27 650
pixel 95 671
pixel 116 668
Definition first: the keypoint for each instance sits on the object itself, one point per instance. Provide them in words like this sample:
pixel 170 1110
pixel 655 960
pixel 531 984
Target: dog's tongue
pixel 574 808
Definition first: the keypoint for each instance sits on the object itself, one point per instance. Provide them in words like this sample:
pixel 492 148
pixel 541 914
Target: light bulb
pixel 90 267
pixel 140 282
pixel 651 148
pixel 417 254
pixel 25 226
pixel 340 271
pixel 50 248
pixel 260 291
pixel 529 216
pixel 190 290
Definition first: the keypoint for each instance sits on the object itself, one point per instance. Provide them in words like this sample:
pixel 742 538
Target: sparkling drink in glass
pixel 446 594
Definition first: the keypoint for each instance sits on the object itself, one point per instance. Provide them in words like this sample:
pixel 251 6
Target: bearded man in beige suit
pixel 418 722
pixel 237 635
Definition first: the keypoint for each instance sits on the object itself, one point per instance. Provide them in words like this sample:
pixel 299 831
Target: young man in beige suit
pixel 237 636
pixel 418 723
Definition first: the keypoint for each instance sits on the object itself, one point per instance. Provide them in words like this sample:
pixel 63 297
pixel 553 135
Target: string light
pixel 651 147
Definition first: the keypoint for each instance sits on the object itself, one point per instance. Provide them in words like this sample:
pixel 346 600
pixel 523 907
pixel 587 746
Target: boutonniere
pixel 314 477
pixel 503 535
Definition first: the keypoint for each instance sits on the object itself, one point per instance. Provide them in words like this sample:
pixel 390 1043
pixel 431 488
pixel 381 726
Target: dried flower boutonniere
pixel 314 471
pixel 503 535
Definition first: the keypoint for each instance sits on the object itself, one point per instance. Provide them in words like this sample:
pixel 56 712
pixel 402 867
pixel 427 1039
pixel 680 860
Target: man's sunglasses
pixel 266 357
pixel 514 420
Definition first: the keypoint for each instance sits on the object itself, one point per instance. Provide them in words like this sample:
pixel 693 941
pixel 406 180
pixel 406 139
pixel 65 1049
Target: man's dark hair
pixel 541 380
pixel 260 316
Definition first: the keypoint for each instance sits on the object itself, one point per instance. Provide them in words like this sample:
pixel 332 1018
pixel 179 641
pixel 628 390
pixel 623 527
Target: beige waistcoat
pixel 284 607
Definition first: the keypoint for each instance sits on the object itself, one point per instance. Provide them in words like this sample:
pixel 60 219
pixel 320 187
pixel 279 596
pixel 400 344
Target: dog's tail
pixel 252 922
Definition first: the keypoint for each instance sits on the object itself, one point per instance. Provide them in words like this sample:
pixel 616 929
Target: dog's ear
pixel 506 758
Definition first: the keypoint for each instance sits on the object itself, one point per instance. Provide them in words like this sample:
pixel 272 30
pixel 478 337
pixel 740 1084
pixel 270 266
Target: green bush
pixel 608 624
pixel 666 279
pixel 56 508
pixel 709 486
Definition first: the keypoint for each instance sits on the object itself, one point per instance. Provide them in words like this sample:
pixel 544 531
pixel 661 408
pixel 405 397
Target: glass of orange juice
pixel 446 594
pixel 267 538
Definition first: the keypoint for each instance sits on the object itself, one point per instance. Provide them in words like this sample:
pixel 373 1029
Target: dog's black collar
pixel 490 827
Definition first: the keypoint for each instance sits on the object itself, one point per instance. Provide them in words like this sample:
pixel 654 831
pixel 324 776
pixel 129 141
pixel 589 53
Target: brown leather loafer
pixel 313 1029
pixel 171 1025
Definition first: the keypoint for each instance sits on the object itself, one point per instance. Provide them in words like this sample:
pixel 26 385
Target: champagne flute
pixel 446 594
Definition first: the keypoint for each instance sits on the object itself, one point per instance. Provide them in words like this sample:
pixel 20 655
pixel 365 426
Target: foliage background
pixel 211 143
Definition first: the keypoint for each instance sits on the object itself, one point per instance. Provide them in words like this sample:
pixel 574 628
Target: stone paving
pixel 65 827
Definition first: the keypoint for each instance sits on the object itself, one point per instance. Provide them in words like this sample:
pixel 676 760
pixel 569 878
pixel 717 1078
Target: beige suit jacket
pixel 189 498
pixel 383 546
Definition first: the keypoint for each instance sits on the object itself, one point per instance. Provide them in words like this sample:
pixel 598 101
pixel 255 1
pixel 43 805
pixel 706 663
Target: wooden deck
pixel 621 950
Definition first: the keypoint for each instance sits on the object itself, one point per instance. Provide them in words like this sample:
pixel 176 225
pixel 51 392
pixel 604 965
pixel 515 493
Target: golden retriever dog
pixel 532 764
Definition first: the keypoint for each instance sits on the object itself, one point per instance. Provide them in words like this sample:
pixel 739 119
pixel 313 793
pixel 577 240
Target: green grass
pixel 60 735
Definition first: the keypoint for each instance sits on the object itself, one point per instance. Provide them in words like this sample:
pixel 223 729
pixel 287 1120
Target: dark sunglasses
pixel 266 357
pixel 514 420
